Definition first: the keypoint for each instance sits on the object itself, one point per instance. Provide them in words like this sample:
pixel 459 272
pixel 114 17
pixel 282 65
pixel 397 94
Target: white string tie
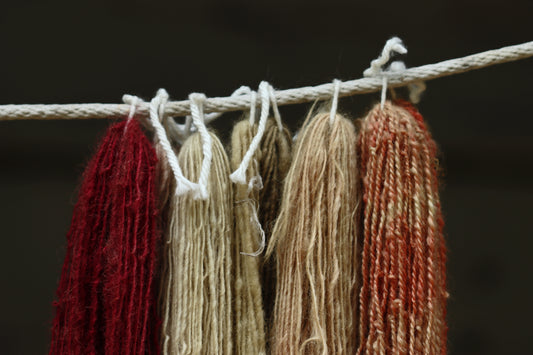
pixel 243 90
pixel 197 113
pixel 393 45
pixel 277 116
pixel 133 101
pixel 183 185
pixel 334 101
pixel 239 175
pixel 185 129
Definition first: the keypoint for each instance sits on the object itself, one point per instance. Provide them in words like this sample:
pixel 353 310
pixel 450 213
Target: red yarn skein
pixel 106 296
pixel 402 300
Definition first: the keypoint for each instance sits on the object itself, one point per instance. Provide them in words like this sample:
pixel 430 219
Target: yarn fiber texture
pixel 314 242
pixel 106 295
pixel 197 300
pixel 168 207
pixel 403 295
pixel 274 163
pixel 249 315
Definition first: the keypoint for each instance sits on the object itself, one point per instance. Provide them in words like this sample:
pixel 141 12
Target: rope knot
pixel 376 69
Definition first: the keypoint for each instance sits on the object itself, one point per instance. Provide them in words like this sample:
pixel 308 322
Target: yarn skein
pixel 403 296
pixel 249 315
pixel 167 206
pixel 197 302
pixel 105 298
pixel 315 243
pixel 274 163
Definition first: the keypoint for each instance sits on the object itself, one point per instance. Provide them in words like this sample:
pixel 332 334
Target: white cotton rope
pixel 283 97
pixel 239 175
pixel 334 101
pixel 197 112
pixel 253 99
pixel 183 185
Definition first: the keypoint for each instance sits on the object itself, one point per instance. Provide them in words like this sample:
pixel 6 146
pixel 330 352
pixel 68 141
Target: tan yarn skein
pixel 198 297
pixel 274 163
pixel 249 316
pixel 315 240
pixel 167 207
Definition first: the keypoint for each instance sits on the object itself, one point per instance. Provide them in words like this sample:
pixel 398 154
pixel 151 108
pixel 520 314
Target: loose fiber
pixel 105 299
pixel 274 162
pixel 249 316
pixel 315 243
pixel 198 298
pixel 403 296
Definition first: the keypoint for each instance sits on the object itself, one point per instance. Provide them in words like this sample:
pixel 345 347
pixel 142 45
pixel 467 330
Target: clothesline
pixel 282 97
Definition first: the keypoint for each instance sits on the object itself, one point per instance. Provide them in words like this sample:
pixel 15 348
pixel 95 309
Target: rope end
pixel 200 193
pixel 238 176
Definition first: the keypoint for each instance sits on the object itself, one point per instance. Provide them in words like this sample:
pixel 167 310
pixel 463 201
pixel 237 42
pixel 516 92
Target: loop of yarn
pixel 183 185
pixel 197 114
pixel 335 100
pixel 239 175
pixel 254 219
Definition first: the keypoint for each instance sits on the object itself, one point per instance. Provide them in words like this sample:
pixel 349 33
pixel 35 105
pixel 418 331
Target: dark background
pixel 73 51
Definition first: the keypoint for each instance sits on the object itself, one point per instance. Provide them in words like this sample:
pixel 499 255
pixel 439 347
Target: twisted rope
pixel 282 97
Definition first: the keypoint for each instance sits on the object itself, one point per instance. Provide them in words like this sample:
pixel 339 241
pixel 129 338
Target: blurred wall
pixel 95 51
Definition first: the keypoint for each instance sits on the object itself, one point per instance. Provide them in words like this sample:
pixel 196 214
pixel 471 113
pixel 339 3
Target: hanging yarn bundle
pixel 197 304
pixel 274 163
pixel 314 240
pixel 403 296
pixel 168 207
pixel 105 299
pixel 249 316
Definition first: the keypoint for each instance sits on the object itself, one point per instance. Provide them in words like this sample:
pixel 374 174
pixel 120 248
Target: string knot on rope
pixel 376 69
pixel 183 185
pixel 267 95
pixel 197 113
